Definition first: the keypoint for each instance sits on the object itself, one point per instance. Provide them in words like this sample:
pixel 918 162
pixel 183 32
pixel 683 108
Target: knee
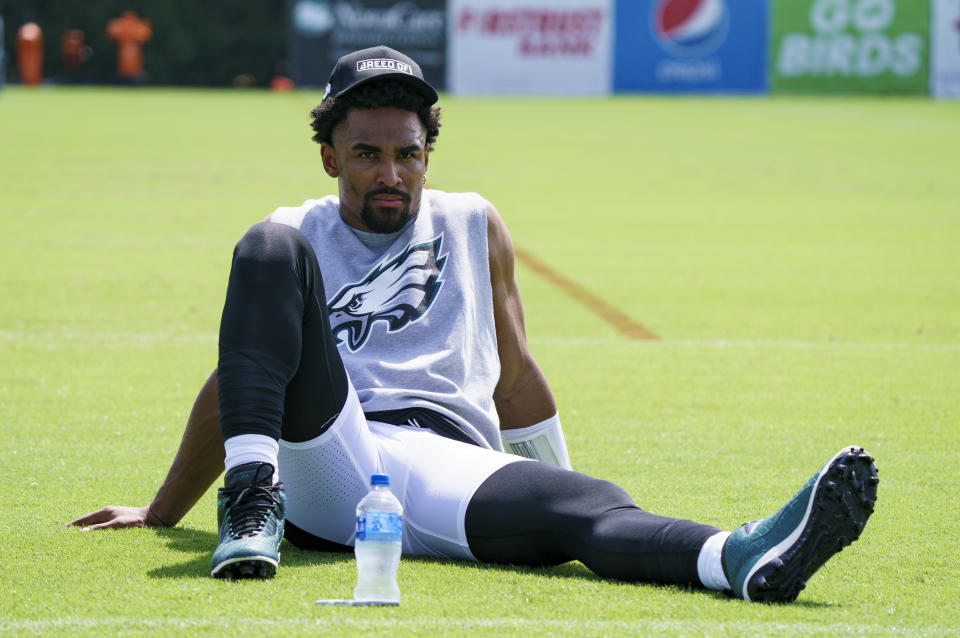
pixel 269 243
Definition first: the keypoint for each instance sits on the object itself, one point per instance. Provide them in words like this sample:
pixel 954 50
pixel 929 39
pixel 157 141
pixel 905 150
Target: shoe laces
pixel 252 506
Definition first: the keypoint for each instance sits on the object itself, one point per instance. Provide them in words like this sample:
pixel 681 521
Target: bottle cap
pixel 380 479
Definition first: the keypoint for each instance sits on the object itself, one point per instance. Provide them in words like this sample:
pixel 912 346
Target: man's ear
pixel 329 158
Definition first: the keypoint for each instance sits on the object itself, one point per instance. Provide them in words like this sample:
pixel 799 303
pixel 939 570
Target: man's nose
pixel 388 175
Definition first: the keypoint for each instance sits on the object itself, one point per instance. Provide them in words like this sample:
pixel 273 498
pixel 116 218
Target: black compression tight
pixel 534 514
pixel 279 362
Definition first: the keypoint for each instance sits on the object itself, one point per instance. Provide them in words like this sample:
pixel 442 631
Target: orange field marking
pixel 621 323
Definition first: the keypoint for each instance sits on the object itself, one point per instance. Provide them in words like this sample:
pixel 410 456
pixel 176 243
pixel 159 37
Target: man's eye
pixel 367 155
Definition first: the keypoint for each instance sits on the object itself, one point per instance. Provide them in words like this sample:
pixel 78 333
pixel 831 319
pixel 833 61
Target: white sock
pixel 709 565
pixel 251 448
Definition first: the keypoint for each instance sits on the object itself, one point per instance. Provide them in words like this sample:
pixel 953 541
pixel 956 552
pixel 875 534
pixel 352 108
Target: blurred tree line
pixel 195 42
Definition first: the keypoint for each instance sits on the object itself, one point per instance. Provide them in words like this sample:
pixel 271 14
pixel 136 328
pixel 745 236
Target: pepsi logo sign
pixel 690 28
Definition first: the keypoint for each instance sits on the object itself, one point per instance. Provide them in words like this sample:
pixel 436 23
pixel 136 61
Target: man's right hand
pixel 198 463
pixel 116 517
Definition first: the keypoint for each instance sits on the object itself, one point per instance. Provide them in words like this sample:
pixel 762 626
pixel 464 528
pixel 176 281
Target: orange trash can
pixel 30 54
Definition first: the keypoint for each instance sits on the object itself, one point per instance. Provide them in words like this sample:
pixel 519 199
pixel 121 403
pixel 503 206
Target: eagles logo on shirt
pixel 397 291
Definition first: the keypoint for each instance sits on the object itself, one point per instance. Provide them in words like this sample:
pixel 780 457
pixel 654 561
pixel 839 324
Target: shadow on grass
pixel 202 543
pixel 579 571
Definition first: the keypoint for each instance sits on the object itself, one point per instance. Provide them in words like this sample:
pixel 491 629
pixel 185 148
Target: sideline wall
pixel 556 46
pixel 707 46
pixel 565 47
pixel 850 46
pixel 320 31
pixel 3 61
pixel 572 47
pixel 945 48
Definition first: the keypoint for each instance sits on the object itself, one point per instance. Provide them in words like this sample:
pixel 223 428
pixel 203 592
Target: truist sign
pixel 537 47
pixel 320 31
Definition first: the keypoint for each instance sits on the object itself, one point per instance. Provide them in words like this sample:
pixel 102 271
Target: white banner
pixel 3 60
pixel 945 48
pixel 538 47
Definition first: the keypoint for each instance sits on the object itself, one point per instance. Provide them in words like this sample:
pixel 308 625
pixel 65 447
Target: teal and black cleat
pixel 250 515
pixel 771 560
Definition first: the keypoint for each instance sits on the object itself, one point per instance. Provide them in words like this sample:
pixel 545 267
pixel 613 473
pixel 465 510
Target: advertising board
pixel 850 46
pixel 539 47
pixel 320 31
pixel 945 48
pixel 691 45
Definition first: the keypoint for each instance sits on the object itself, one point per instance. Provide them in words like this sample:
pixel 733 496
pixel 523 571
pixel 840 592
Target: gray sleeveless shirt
pixel 412 310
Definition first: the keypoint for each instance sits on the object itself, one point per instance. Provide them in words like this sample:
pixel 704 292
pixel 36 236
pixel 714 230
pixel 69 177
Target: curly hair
pixel 373 95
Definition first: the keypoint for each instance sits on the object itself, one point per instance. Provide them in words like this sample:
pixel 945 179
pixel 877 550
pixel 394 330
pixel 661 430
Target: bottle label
pixel 379 526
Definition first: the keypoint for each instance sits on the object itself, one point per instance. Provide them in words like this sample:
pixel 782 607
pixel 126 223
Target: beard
pixel 384 219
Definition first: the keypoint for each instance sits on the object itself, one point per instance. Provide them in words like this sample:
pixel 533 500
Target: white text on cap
pixel 384 63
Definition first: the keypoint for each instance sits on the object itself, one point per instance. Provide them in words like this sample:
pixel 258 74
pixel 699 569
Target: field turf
pixel 798 259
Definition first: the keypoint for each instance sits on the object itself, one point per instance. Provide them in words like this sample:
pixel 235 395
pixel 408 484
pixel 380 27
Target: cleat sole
pixel 837 513
pixel 251 567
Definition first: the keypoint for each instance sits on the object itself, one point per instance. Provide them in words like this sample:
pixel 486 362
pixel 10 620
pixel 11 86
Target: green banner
pixel 850 46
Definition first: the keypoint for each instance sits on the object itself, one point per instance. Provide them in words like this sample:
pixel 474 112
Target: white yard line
pixel 339 622
pixel 745 344
pixel 717 344
pixel 125 337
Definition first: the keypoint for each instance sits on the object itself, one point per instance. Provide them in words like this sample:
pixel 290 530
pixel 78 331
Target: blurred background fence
pixel 194 42
pixel 511 46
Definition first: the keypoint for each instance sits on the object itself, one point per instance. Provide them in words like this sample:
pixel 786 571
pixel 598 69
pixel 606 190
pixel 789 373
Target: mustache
pixel 386 190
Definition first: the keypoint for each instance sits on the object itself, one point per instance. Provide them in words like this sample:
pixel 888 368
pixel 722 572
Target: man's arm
pixel 522 396
pixel 529 424
pixel 198 463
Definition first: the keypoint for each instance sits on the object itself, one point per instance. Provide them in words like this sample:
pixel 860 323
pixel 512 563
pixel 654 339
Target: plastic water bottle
pixel 378 543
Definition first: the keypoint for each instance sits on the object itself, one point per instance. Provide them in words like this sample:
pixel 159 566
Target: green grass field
pixel 799 258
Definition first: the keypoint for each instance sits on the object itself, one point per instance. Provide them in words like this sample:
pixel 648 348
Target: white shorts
pixel 434 478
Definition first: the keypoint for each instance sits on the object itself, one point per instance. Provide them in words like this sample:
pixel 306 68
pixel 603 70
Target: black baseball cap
pixel 376 63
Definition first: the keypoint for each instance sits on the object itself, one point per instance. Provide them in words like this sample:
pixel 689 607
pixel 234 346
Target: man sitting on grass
pixel 416 365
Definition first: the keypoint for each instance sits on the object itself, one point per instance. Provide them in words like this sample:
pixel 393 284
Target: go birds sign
pixel 850 46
